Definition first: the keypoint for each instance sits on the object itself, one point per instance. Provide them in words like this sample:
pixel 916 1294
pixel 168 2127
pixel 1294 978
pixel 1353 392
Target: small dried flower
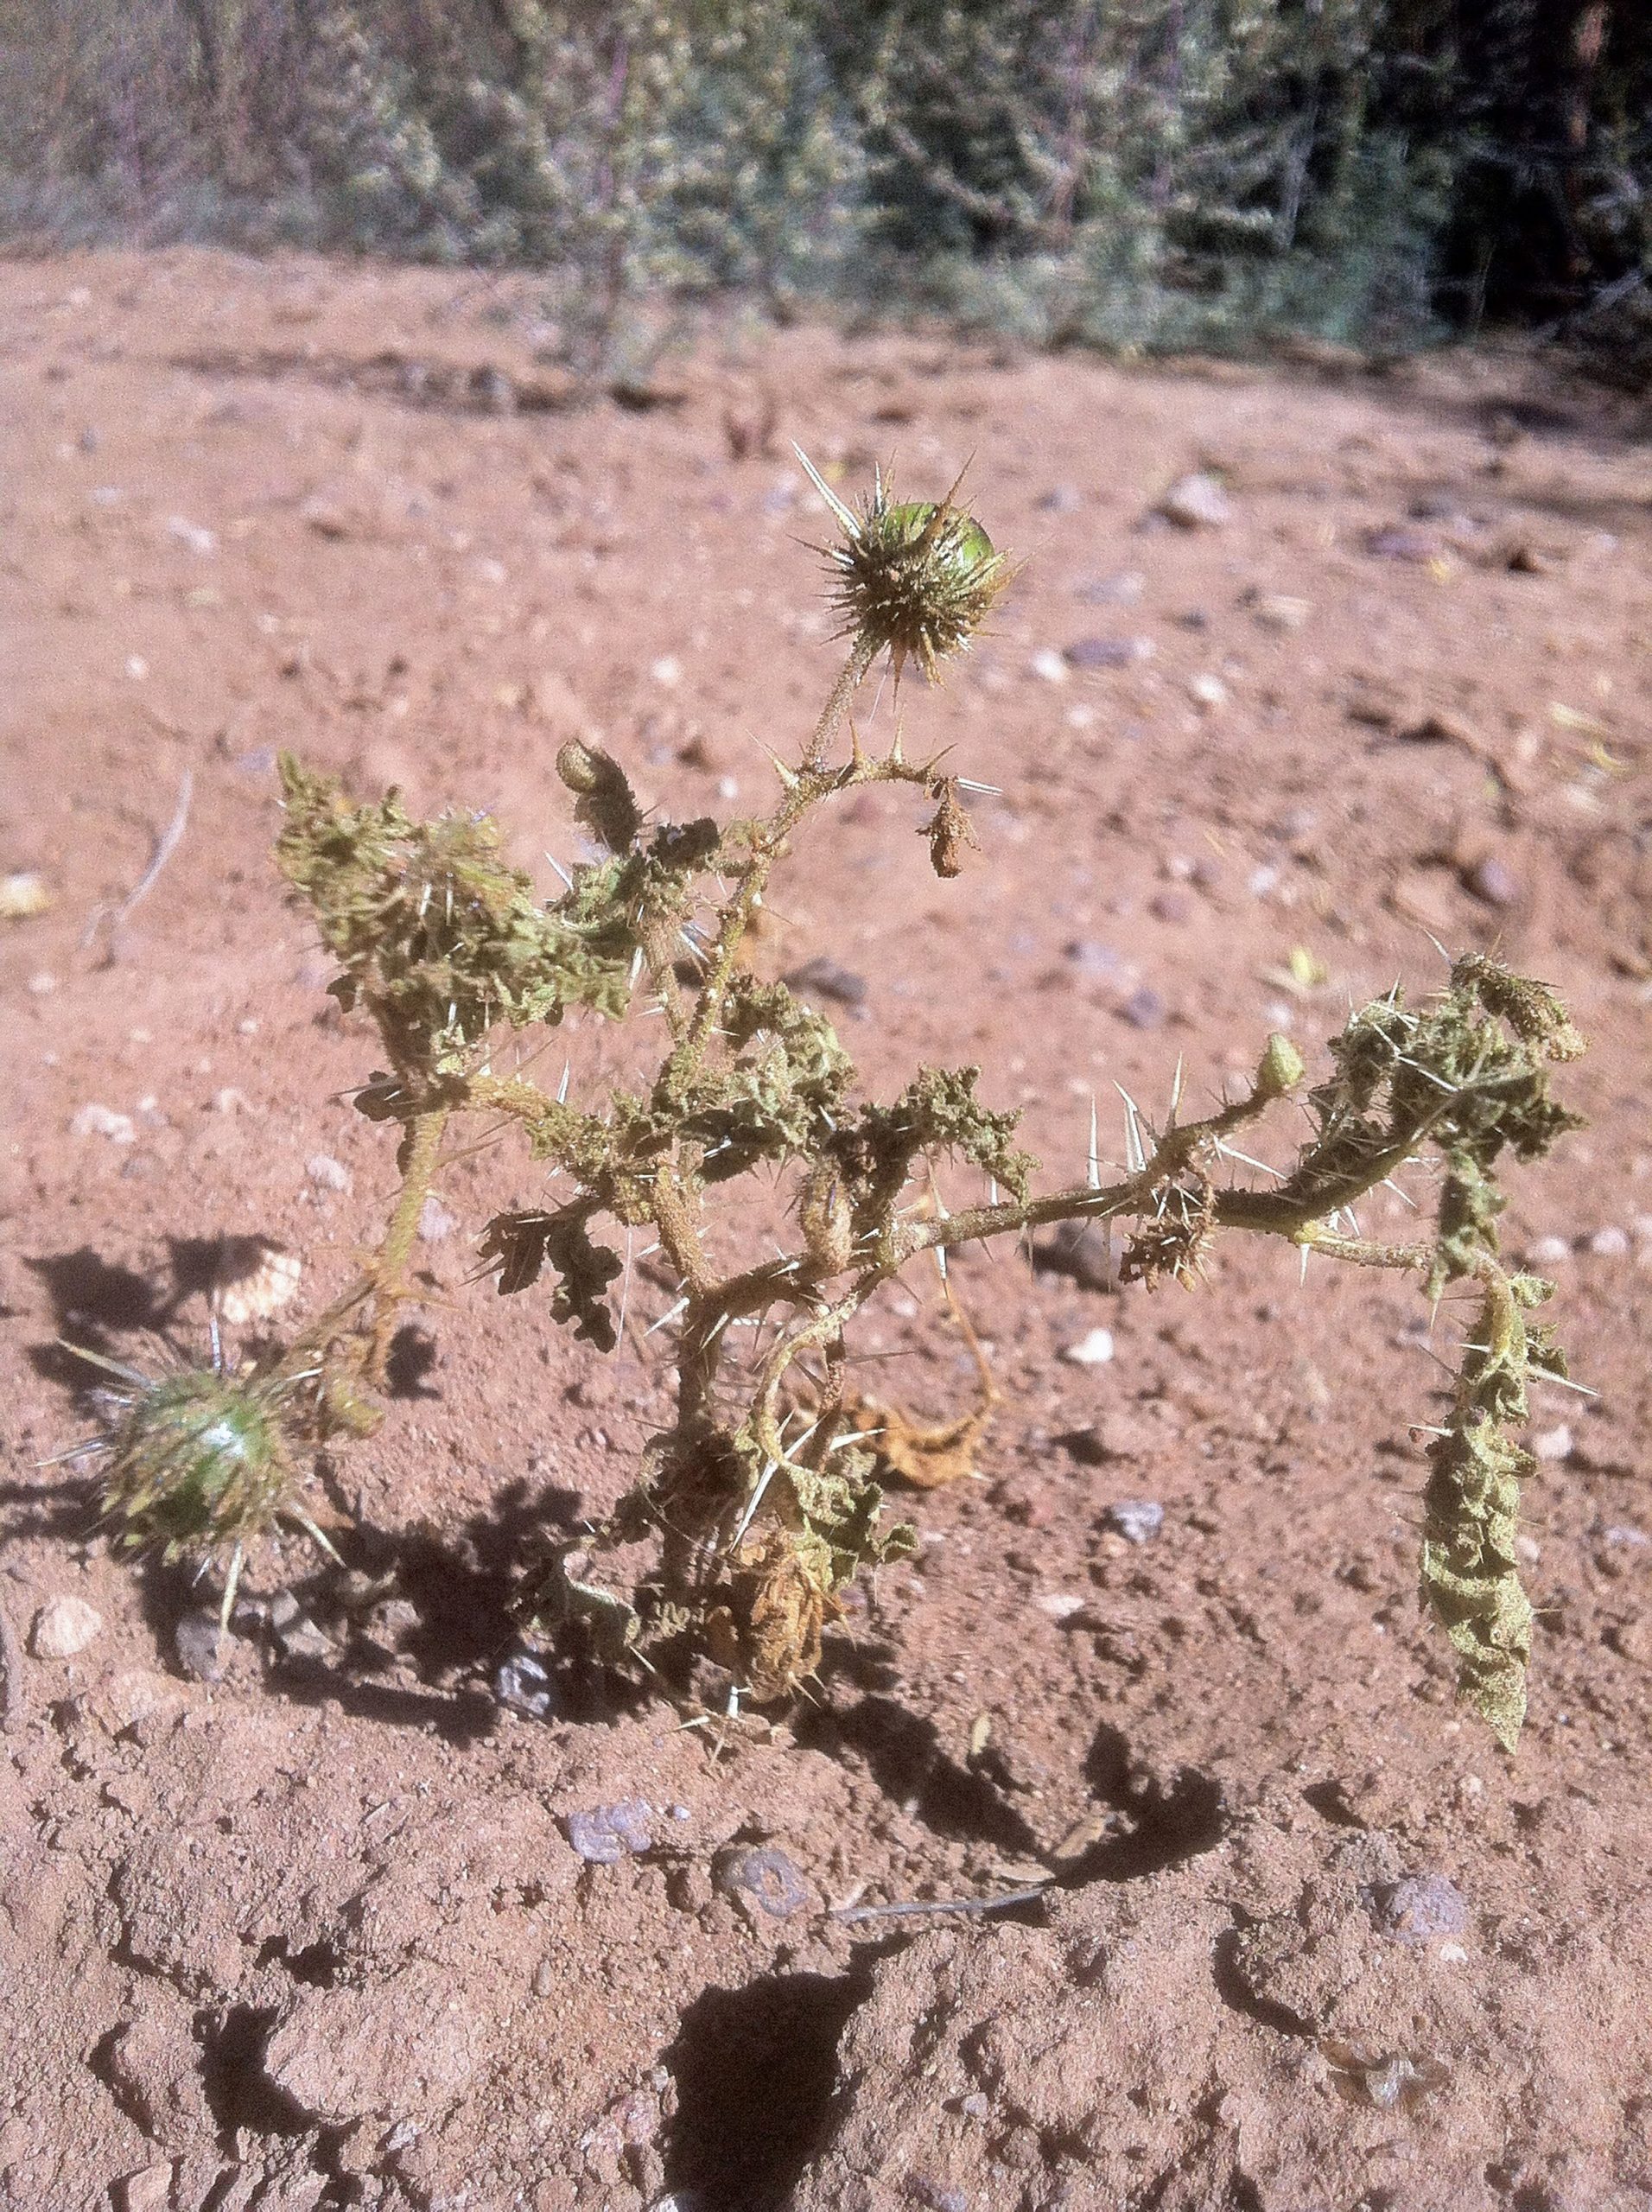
pixel 950 832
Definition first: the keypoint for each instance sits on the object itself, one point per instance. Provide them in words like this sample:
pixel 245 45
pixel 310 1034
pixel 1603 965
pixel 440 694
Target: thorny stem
pixel 389 1265
pixel 861 656
pixel 804 788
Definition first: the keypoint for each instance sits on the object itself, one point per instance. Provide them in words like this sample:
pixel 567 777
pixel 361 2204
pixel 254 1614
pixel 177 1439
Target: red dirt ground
pixel 313 1933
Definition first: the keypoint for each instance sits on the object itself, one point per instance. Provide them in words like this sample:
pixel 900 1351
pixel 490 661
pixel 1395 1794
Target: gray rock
pixel 295 1631
pixel 1081 1250
pixel 64 1627
pixel 1610 1243
pixel 1492 881
pixel 1122 590
pixel 605 1834
pixel 1401 544
pixel 1087 653
pixel 1093 958
pixel 1421 1909
pixel 763 1877
pixel 827 980
pixel 1138 1519
pixel 198 1643
pixel 523 1684
pixel 1144 1009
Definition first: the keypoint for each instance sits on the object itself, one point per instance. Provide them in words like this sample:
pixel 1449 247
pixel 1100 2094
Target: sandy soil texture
pixel 325 1920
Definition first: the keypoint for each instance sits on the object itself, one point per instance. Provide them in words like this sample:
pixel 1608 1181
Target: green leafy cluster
pixel 937 1113
pixel 1467 1073
pixel 438 938
pixel 778 1095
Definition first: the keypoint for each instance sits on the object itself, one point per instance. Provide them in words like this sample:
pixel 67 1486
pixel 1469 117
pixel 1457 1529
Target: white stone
pixel 1610 1243
pixel 1552 1444
pixel 1548 1252
pixel 1196 502
pixel 64 1626
pixel 201 541
pixel 1049 665
pixel 1093 1351
pixel 435 1222
pixel 93 1121
pixel 148 2191
pixel 325 1173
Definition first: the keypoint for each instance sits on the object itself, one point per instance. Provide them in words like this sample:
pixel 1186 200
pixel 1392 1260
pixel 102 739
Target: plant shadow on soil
pixel 755 2069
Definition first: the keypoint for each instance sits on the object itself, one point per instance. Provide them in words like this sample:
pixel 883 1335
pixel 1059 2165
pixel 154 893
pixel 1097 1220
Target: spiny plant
pixel 761 1500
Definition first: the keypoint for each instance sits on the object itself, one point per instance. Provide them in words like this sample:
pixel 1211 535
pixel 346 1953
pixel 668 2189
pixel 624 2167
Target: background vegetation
pixel 1114 172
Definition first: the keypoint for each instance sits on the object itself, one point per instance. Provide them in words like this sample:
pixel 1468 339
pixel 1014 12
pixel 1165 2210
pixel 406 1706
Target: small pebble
pixel 328 1174
pixel 63 1627
pixel 1552 1444
pixel 1275 610
pixel 1492 882
pixel 198 1642
pixel 42 984
pixel 828 981
pixel 201 541
pixel 1548 1252
pixel 764 1878
pixel 1626 1535
pixel 1059 1605
pixel 22 895
pixel 295 1631
pixel 1196 502
pixel 523 1684
pixel 1209 692
pixel 607 1834
pixel 1386 2084
pixel 1138 1519
pixel 936 2196
pixel 93 1121
pixel 667 669
pixel 1082 1249
pixel 435 1222
pixel 1122 590
pixel 1093 958
pixel 1092 1351
pixel 1399 545
pixel 1421 1909
pixel 1090 653
pixel 1049 665
pixel 1609 1243
pixel 148 2190
pixel 1144 1009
